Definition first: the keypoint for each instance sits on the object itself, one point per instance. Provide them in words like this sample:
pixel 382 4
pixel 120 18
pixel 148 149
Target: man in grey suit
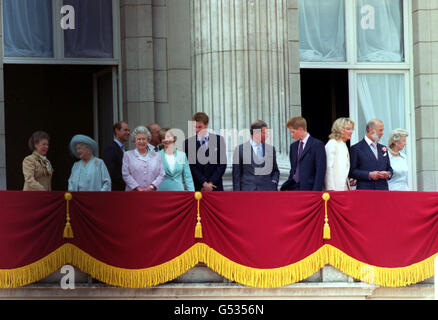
pixel 254 162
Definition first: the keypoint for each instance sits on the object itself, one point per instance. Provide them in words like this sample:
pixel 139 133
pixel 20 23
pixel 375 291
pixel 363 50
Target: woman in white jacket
pixel 338 157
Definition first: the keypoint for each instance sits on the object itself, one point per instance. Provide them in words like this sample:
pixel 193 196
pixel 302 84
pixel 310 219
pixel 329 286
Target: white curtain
pixel 93 33
pixel 380 30
pixel 322 30
pixel 27 28
pixel 381 96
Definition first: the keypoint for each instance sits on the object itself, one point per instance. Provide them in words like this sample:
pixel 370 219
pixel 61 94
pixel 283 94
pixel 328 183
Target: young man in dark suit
pixel 254 162
pixel 369 160
pixel 113 155
pixel 207 156
pixel 307 159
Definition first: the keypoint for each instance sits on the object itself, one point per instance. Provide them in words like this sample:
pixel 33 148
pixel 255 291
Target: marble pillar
pixel 240 67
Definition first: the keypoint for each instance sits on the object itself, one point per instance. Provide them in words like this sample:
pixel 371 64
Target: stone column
pixel 240 65
pixel 2 115
pixel 137 62
pixel 425 42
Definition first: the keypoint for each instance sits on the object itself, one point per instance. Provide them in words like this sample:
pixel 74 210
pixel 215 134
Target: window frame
pixel 351 43
pixel 58 42
pixel 355 67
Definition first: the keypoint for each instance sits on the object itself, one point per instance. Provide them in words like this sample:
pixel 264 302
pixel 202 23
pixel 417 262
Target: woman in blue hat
pixel 90 172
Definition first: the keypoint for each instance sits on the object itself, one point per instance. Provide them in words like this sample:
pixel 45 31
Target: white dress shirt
pixel 257 147
pixel 304 141
pixel 206 138
pixel 370 142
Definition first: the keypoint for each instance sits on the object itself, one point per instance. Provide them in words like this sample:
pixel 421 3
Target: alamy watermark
pixel 68 281
pixel 368 21
pixel 233 147
pixel 68 20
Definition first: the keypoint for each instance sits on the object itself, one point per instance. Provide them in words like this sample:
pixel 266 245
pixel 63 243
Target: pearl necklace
pixel 395 154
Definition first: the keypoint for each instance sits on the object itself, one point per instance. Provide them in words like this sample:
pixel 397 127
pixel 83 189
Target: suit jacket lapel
pixel 380 152
pixel 370 152
pixel 306 147
pixel 118 149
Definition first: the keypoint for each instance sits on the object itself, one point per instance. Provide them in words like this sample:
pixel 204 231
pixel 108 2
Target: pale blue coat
pixel 173 181
pixel 93 177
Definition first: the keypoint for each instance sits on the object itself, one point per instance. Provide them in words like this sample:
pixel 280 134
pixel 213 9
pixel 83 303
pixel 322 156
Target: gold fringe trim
pixel 264 278
pixel 200 252
pixel 18 277
pixel 133 278
pixel 385 277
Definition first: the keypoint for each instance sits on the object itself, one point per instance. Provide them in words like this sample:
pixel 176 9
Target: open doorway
pixel 324 98
pixel 59 99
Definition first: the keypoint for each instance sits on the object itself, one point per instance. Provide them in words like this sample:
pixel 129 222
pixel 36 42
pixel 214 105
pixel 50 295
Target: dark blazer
pixel 113 158
pixel 251 174
pixel 313 165
pixel 208 164
pixel 363 161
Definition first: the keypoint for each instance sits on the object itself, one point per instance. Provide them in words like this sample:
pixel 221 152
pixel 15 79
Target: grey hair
pixel 372 124
pixel 139 130
pixel 396 135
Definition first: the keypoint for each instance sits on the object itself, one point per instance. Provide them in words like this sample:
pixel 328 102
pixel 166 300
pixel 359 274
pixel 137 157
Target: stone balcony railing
pixel 201 282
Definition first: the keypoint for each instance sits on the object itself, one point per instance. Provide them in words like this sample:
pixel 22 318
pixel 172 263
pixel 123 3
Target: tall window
pixel 33 31
pixel 93 33
pixel 27 28
pixel 372 39
pixel 322 30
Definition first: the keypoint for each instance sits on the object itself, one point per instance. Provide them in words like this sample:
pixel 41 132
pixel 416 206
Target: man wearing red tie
pixel 307 159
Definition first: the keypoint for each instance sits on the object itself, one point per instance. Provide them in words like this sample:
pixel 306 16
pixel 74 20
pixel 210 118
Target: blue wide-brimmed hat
pixel 82 139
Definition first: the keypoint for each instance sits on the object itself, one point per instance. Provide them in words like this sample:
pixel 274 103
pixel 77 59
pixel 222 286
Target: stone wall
pixel 156 62
pixel 425 42
pixel 2 115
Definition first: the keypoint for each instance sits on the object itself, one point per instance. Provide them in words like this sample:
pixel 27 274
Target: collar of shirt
pixel 202 138
pixel 369 141
pixel 151 147
pixel 119 144
pixel 304 141
pixel 144 158
pixel 254 145
pixel 206 138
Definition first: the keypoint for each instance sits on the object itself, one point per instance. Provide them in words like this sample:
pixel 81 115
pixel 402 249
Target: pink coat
pixel 142 172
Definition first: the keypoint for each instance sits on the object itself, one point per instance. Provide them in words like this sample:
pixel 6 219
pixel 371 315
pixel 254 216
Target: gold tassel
pixel 326 232
pixel 68 231
pixel 198 228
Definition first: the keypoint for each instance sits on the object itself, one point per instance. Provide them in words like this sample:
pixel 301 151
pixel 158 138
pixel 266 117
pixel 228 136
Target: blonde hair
pixel 396 135
pixel 339 126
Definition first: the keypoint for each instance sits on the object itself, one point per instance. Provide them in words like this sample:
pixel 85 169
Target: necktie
pixel 259 151
pixel 296 176
pixel 374 147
